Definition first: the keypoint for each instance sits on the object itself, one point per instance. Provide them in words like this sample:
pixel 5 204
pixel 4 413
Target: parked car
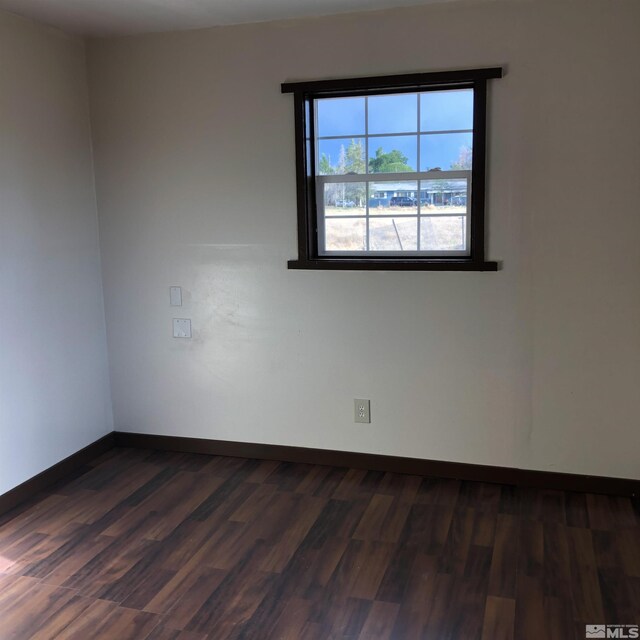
pixel 345 204
pixel 402 201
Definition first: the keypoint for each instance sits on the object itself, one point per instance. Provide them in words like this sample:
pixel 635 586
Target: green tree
pixel 326 168
pixel 354 160
pixel 350 161
pixel 464 161
pixel 355 164
pixel 392 162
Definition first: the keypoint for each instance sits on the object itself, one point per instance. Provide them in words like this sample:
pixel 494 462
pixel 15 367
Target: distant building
pixel 439 193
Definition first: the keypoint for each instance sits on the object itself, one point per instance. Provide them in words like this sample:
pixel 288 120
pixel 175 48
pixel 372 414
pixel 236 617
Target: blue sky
pixel 439 111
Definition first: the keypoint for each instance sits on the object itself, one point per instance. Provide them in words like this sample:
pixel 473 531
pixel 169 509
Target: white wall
pixel 535 366
pixel 54 393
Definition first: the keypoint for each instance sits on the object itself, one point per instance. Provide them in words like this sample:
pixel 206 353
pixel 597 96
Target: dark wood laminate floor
pixel 164 546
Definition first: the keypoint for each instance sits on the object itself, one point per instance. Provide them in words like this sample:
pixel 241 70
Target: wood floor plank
pixel 530 620
pixel 347 617
pixel 380 621
pixel 418 598
pixel 287 476
pixel 480 496
pixel 439 491
pixel 373 518
pixel 32 611
pixel 468 599
pixel 236 598
pixel 189 599
pixel 556 561
pixel 263 471
pixel 453 558
pixel 502 581
pixel 153 545
pixel 69 559
pixel 586 596
pixel 100 622
pixel 427 527
pixel 349 488
pixel 559 619
pixel 401 486
pixel 62 618
pixel 396 578
pixel 300 517
pixel 478 563
pixel 484 529
pixel 374 559
pixel 439 620
pixel 629 550
pixel 575 508
pixel 608 513
pixel 109 565
pixel 162 632
pixel 13 587
pixel 330 482
pixel 531 548
pixel 499 618
pixel 291 622
pixel 315 479
pixel 47 509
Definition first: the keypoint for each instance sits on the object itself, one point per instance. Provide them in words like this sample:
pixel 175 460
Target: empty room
pixel 320 319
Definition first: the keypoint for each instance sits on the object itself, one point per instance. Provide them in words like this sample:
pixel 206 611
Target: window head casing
pixel 391 171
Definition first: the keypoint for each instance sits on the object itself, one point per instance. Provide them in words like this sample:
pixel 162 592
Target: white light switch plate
pixel 175 296
pixel 181 328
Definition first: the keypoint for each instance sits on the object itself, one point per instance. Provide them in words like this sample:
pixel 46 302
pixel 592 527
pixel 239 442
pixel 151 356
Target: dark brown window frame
pixel 306 92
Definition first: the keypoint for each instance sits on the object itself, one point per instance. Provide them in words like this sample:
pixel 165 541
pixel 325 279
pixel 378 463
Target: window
pixel 391 171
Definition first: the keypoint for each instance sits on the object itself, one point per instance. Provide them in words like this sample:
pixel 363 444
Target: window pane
pixel 340 156
pixel 446 110
pixel 389 198
pixel 393 114
pixel 345 198
pixel 393 154
pixel 446 151
pixel 443 233
pixel 340 117
pixel 438 197
pixel 345 234
pixel 393 234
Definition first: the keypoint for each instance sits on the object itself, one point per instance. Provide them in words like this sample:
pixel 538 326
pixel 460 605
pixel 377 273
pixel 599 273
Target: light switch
pixel 175 295
pixel 181 328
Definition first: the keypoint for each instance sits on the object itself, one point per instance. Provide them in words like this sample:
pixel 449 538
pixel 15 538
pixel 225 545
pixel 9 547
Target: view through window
pixel 393 173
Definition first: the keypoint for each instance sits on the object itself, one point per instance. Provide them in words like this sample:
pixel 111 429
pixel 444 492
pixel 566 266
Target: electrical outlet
pixel 181 328
pixel 362 411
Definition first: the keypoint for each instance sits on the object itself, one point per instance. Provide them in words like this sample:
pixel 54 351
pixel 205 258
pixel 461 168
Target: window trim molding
pixel 407 80
pixel 306 92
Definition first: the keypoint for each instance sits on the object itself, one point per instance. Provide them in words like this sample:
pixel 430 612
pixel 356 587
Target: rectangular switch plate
pixel 175 296
pixel 181 328
pixel 362 411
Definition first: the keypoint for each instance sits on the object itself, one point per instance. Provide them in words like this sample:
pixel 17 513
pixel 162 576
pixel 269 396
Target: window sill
pixel 415 264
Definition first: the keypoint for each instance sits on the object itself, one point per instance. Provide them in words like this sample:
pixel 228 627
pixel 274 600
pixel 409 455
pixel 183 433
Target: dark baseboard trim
pixel 395 464
pixel 53 474
pixel 370 461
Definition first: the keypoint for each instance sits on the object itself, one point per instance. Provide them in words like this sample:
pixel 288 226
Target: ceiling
pixel 124 17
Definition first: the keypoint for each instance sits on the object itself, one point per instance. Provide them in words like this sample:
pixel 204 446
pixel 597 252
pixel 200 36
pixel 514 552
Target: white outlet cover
pixel 175 296
pixel 181 328
pixel 362 411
